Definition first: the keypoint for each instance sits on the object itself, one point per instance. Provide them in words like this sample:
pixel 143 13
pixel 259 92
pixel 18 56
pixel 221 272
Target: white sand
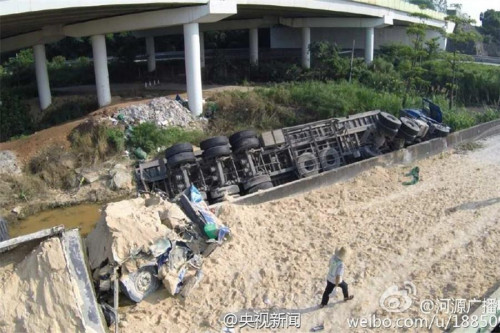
pixel 125 226
pixel 36 294
pixel 279 250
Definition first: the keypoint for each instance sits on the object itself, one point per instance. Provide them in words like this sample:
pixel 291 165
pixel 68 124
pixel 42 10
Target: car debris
pixel 153 242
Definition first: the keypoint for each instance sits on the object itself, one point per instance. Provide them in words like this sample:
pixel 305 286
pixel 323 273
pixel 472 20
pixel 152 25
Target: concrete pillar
pixel 306 40
pixel 193 67
pixel 202 49
pixel 150 52
pixel 42 76
pixel 369 44
pixel 101 69
pixel 254 46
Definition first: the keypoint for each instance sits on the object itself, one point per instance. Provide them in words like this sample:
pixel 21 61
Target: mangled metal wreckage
pixel 149 242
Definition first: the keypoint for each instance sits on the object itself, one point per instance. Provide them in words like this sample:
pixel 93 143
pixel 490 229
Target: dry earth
pixel 441 234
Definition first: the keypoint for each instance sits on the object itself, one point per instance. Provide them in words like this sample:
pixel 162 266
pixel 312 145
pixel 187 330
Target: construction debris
pixel 161 111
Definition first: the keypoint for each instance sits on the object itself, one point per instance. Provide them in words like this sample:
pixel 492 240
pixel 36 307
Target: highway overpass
pixel 293 23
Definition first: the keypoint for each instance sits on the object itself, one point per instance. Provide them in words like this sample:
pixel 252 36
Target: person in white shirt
pixel 334 277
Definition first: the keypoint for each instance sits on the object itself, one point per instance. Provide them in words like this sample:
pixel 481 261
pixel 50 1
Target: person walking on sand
pixel 334 277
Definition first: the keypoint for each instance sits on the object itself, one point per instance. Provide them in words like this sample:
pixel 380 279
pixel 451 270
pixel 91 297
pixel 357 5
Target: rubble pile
pixel 150 242
pixel 161 111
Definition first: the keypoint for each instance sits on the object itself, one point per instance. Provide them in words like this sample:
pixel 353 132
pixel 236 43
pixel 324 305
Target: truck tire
pixel 246 134
pixel 307 164
pixel 256 180
pixel 390 132
pixel 180 158
pixel 183 147
pixel 409 127
pixel 261 186
pixel 440 131
pixel 217 151
pixel 389 121
pixel 329 158
pixel 245 144
pixel 140 283
pixel 214 142
pixel 229 190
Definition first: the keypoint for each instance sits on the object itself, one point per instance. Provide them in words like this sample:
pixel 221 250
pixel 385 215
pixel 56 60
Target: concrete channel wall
pixel 402 156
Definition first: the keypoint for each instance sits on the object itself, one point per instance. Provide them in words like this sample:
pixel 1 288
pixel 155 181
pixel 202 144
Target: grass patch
pixel 150 137
pixel 289 104
pixel 469 146
pixel 94 141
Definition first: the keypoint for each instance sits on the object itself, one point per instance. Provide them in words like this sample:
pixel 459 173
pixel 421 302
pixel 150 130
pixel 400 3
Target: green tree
pixel 460 35
pixel 491 24
pixel 420 50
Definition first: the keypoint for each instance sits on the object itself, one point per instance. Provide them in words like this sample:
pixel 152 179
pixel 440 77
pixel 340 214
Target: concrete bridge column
pixel 254 46
pixel 42 76
pixel 193 67
pixel 202 49
pixel 150 52
pixel 101 69
pixel 306 54
pixel 369 44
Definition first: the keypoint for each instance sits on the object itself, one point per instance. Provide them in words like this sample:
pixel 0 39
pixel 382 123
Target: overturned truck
pixel 245 163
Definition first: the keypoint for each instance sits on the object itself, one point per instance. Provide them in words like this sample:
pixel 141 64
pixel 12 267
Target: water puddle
pixel 83 216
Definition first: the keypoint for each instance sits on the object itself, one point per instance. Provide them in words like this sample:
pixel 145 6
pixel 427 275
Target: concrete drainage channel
pixel 402 156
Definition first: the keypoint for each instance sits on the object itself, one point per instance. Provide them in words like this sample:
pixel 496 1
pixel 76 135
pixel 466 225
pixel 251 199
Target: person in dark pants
pixel 334 277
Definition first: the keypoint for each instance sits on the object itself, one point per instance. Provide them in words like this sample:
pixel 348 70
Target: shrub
pixel 48 166
pixel 69 109
pixel 149 136
pixel 15 118
pixel 94 141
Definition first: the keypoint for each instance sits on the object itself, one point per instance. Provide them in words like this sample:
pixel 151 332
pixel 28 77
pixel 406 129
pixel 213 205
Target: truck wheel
pixel 180 158
pixel 390 132
pixel 140 283
pixel 409 127
pixel 245 144
pixel 183 147
pixel 218 151
pixel 329 158
pixel 214 142
pixel 389 121
pixel 261 186
pixel 307 164
pixel 441 131
pixel 242 135
pixel 368 152
pixel 256 180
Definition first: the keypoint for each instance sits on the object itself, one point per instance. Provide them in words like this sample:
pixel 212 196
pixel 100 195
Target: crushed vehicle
pixel 144 243
pixel 245 163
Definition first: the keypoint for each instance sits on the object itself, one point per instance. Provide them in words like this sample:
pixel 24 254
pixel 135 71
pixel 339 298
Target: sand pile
pixel 126 227
pixel 36 293
pixel 279 251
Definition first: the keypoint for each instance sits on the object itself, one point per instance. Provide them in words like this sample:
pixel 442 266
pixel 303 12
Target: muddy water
pixel 82 216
